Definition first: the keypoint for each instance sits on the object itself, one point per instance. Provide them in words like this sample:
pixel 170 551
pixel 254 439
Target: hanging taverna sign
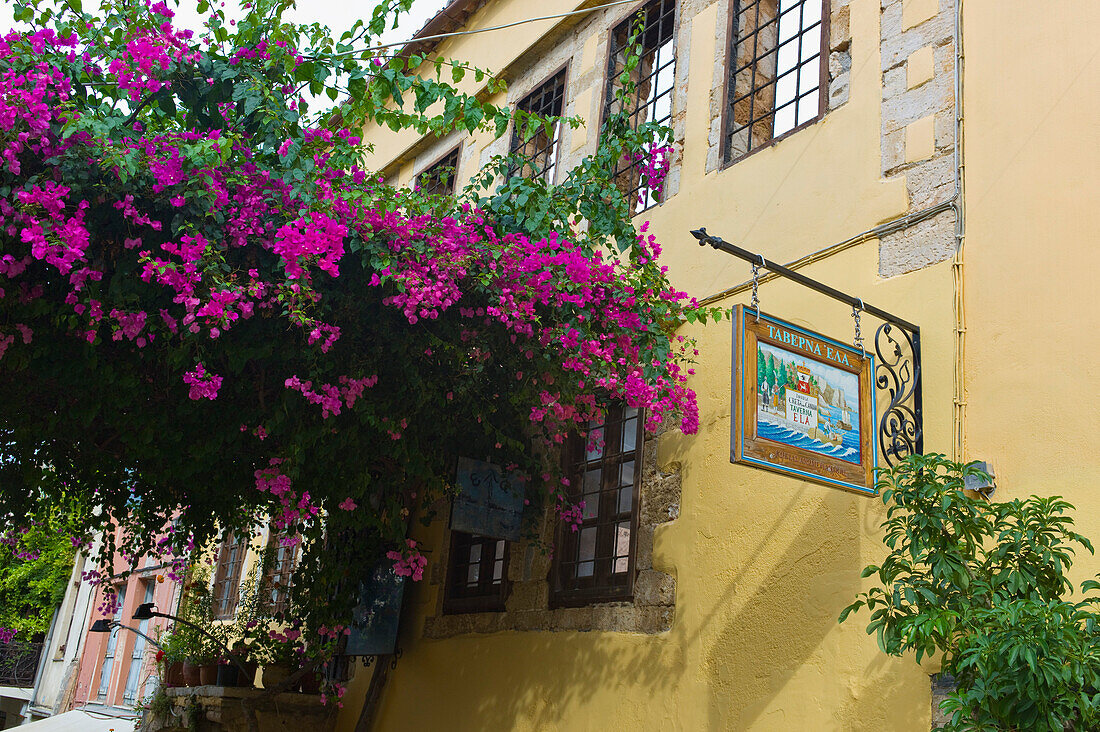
pixel 803 403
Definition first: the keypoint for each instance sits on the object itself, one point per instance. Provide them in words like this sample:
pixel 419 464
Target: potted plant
pixel 195 649
pixel 170 659
pixel 208 659
pixel 279 654
pixel 228 673
pixel 240 669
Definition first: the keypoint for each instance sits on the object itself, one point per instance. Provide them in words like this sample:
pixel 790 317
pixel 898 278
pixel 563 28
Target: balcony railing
pixel 19 663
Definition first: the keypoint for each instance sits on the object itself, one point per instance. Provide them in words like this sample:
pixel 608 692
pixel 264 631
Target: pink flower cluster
pixel 571 514
pixel 7 635
pixel 652 165
pixel 293 508
pixel 331 397
pixel 317 239
pixel 203 384
pixel 409 562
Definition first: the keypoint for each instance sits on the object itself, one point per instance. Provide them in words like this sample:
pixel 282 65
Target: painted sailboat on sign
pixel 807 404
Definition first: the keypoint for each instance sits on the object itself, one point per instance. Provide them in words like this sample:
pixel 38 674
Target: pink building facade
pixel 118 669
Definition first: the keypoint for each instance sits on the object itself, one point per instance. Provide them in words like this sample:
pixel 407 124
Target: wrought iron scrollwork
pixel 898 374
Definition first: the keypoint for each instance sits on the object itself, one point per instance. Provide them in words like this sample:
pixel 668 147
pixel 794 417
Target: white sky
pixel 338 15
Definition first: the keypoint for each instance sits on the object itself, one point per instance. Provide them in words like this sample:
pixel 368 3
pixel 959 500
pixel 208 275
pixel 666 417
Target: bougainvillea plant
pixel 211 312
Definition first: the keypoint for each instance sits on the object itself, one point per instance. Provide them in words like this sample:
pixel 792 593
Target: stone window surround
pixel 528 90
pixel 836 59
pixel 918 126
pixel 732 46
pixel 587 86
pixel 441 153
pixel 675 108
pixel 527 607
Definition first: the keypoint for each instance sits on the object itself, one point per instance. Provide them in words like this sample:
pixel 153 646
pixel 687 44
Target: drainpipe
pixel 958 435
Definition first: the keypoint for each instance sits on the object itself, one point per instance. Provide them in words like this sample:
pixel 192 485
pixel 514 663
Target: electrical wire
pixel 452 34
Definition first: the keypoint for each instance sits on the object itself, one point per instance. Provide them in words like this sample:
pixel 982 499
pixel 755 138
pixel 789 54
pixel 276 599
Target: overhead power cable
pixel 441 36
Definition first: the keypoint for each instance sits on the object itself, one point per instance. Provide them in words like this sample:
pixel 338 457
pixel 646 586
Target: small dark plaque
pixel 375 620
pixel 487 503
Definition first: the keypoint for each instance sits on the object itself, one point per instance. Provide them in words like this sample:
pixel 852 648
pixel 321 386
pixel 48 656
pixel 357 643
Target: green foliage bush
pixel 985 585
pixel 33 574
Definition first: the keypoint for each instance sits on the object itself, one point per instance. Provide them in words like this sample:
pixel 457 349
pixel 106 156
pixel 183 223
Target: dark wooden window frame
pixel 606 100
pixel 456 151
pixel 724 158
pixel 227 577
pixel 285 569
pixel 486 597
pixel 577 592
pixel 563 71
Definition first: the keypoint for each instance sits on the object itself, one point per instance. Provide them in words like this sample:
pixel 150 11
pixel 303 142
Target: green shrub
pixel 984 584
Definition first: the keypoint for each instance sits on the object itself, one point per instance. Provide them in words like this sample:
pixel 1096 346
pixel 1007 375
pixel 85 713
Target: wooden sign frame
pixel 811 431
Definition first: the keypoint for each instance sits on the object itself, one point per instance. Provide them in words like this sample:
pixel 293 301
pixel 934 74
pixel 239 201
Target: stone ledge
pixel 615 617
pixel 237 692
pixel 223 709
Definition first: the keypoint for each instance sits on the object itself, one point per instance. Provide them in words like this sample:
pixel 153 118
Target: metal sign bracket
pixel 897 348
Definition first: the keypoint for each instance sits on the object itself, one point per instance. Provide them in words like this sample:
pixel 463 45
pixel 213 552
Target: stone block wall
pixel 918 126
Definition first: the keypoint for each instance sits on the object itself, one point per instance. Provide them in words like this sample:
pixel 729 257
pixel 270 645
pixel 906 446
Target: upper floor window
pixel 439 177
pixel 776 72
pixel 279 563
pixel 227 575
pixel 595 563
pixel 651 98
pixel 541 148
pixel 477 574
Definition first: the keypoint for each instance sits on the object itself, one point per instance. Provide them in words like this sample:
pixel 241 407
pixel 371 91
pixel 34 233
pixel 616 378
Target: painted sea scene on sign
pixel 807 404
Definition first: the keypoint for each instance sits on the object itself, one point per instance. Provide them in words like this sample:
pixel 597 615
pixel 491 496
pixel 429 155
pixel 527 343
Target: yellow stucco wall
pixel 765 563
pixel 1033 226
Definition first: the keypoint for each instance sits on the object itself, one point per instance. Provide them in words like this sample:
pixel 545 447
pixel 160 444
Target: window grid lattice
pixel 775 77
pixel 651 100
pixel 439 178
pixel 541 150
pixel 279 572
pixel 477 573
pixel 227 578
pixel 596 561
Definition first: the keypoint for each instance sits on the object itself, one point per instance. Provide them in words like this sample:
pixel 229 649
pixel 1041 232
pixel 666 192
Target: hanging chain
pixel 755 303
pixel 858 341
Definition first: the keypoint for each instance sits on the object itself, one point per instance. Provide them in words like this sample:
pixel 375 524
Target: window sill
pixel 615 617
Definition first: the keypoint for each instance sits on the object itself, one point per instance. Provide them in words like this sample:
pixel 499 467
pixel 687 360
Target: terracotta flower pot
pixel 173 675
pixel 190 673
pixel 208 674
pixel 227 674
pixel 275 674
